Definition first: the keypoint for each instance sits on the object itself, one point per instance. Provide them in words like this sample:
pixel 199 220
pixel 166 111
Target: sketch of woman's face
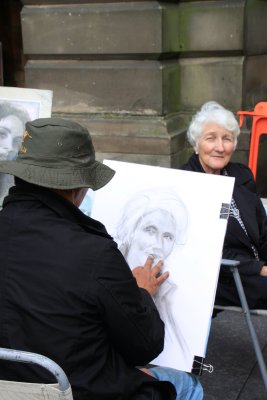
pixel 10 127
pixel 154 235
pixel 5 140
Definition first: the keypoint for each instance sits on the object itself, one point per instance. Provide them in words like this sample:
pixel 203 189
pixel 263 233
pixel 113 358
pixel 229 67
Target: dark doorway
pixel 11 40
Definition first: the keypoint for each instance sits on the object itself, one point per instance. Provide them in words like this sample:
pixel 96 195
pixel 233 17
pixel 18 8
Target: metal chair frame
pixel 34 358
pixel 233 264
pixel 43 361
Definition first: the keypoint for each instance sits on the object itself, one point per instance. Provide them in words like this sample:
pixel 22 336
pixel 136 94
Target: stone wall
pixel 133 72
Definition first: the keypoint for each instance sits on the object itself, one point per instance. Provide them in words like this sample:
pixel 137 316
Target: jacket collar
pixel 57 203
pixel 241 194
pixel 194 163
pixel 240 178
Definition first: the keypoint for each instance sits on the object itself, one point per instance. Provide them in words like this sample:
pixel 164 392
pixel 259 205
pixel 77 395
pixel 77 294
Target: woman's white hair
pixel 215 113
pixel 145 202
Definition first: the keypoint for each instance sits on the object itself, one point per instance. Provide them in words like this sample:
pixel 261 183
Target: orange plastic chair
pixel 259 127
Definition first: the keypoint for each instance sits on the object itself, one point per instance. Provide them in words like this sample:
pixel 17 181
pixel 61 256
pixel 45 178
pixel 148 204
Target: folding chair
pixel 233 264
pixel 12 390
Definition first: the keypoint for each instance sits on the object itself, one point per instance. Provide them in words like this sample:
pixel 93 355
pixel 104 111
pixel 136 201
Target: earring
pixel 196 152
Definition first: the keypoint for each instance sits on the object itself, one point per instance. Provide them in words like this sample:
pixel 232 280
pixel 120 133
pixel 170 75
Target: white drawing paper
pixel 180 217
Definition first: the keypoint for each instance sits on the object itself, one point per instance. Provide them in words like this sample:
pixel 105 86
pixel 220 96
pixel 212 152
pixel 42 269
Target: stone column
pixel 133 72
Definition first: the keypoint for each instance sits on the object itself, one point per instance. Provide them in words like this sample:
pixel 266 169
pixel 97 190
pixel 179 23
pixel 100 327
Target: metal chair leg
pixel 251 329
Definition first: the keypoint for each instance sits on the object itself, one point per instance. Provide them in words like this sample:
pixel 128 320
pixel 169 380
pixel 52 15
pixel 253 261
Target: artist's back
pixel 67 293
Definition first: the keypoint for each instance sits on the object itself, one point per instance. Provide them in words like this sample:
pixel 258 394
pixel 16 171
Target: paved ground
pixel 236 375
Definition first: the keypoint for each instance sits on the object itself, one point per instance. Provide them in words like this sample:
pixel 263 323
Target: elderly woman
pixel 213 134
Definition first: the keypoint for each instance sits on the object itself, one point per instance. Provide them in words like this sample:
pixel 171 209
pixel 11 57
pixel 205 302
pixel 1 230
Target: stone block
pixel 143 140
pixel 145 159
pixel 215 78
pixel 217 26
pixel 206 26
pixel 126 87
pixel 118 28
pixel 255 81
pixel 255 33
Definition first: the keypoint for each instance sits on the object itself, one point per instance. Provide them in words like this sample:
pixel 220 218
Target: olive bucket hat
pixel 58 154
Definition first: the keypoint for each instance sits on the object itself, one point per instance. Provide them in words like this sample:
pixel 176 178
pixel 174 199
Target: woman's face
pixel 154 235
pixel 215 148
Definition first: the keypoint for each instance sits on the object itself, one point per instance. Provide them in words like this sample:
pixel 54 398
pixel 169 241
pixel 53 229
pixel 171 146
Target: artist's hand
pixel 149 277
pixel 263 271
pixel 146 371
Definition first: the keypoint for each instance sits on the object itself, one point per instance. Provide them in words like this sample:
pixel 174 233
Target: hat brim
pixel 94 176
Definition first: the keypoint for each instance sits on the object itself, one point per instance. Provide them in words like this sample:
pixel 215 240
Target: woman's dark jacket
pixel 66 292
pixel 237 244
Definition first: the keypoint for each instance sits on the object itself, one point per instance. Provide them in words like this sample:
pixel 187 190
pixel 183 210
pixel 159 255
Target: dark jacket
pixel 237 245
pixel 66 292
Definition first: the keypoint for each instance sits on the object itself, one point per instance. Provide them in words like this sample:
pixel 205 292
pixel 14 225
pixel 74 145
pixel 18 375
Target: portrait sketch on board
pixel 17 106
pixel 152 223
pixel 174 216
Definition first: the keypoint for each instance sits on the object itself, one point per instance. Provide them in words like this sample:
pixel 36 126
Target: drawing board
pixel 190 228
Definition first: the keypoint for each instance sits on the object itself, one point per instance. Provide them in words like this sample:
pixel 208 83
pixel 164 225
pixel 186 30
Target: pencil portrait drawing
pixel 153 223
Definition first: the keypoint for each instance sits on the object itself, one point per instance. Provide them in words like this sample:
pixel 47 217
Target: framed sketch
pixel 17 106
pixel 179 217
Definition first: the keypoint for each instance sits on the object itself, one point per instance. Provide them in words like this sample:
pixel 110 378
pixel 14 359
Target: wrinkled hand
pixel 149 277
